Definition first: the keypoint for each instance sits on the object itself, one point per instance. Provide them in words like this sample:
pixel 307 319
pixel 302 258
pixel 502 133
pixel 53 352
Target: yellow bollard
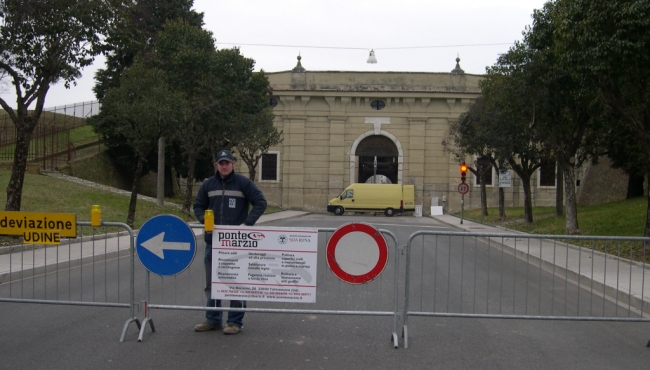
pixel 208 220
pixel 95 216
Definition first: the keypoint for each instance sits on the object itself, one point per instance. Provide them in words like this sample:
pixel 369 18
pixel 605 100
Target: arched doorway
pixel 387 158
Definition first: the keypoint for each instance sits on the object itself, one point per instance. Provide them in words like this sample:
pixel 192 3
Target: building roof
pixel 299 79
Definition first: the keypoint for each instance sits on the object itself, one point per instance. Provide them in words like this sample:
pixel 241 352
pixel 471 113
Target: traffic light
pixel 463 172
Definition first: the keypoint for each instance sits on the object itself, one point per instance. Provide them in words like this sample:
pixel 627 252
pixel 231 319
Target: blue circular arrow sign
pixel 165 245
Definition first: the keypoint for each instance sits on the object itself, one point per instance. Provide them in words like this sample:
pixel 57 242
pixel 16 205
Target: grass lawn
pixel 622 218
pixel 82 135
pixel 47 194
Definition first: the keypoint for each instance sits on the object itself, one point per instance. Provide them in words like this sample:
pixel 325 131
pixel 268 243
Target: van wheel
pixel 389 212
pixel 338 211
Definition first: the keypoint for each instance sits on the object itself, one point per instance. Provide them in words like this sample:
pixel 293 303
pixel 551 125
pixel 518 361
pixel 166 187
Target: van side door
pixel 347 199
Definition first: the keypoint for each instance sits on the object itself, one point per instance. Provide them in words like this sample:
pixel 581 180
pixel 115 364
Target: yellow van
pixel 387 198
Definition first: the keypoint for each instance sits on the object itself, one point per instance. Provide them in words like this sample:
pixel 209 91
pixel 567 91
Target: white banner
pixel 270 264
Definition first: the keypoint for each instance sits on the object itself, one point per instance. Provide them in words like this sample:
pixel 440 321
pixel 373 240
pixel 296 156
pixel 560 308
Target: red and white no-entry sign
pixel 357 253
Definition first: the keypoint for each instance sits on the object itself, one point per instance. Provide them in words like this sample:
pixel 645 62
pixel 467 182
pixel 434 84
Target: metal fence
pixel 50 145
pixel 85 271
pixel 442 274
pixel 521 276
pixel 334 297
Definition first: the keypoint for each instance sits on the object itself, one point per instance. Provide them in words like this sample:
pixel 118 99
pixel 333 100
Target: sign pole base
pixel 462 205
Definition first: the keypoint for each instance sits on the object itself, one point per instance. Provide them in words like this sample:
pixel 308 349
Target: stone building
pixel 336 123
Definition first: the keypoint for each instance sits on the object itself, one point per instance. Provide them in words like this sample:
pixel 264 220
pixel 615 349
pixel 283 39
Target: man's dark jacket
pixel 229 199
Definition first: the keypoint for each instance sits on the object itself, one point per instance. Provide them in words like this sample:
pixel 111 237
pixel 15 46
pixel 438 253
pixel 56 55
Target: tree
pixel 257 135
pixel 627 154
pixel 609 43
pixel 250 122
pixel 187 56
pixel 477 133
pixel 144 108
pixel 134 33
pixel 219 87
pixel 496 130
pixel 498 126
pixel 569 118
pixel 513 102
pixel 467 137
pixel 42 43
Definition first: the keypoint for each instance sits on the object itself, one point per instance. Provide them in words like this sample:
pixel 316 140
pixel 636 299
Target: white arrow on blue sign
pixel 166 245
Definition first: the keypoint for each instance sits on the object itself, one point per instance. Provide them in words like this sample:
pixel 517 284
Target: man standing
pixel 228 195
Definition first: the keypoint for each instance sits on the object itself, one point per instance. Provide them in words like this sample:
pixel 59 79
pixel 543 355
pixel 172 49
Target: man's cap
pixel 224 155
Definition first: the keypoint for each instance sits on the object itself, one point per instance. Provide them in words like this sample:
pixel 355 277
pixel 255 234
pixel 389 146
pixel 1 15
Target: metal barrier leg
pixel 405 335
pixel 144 325
pixel 126 326
pixel 147 319
pixel 395 340
pixel 131 277
pixel 396 314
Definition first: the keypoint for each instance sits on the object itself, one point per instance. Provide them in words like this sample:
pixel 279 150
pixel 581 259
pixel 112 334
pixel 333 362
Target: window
pixel 488 179
pixel 269 168
pixel 273 102
pixel 483 164
pixel 377 105
pixel 547 174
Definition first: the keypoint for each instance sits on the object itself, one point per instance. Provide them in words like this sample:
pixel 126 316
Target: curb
pixel 284 218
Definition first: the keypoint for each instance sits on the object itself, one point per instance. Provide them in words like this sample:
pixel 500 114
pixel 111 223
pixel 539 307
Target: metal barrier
pixel 379 297
pixel 447 274
pixel 77 272
pixel 522 276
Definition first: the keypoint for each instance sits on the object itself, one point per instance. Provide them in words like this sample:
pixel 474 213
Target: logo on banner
pixel 256 236
pixel 299 238
pixel 282 239
pixel 239 239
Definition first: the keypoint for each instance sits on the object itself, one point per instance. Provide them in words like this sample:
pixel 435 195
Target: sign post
pixel 462 205
pixel 463 188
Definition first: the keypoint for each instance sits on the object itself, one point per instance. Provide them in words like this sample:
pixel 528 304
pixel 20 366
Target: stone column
pixel 338 159
pixel 416 157
pixel 294 161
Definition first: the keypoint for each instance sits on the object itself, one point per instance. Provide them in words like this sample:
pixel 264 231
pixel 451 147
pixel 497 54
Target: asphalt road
pixel 65 337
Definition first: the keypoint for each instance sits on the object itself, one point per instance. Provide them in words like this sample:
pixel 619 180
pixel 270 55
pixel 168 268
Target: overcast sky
pixel 431 34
